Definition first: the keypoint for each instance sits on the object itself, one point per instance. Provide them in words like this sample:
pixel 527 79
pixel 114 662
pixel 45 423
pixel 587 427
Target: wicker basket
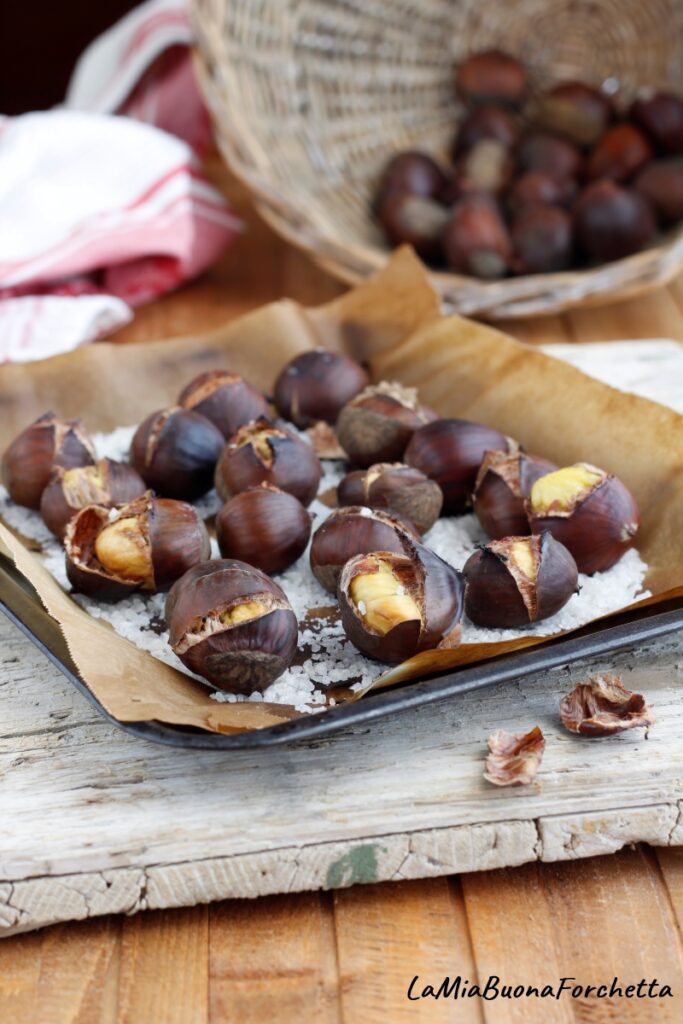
pixel 311 97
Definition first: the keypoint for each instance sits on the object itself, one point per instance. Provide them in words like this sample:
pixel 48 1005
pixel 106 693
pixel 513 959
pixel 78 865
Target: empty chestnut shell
pixel 416 221
pixel 232 624
pixel 578 111
pixel 394 488
pixel 588 510
pixel 260 453
pixel 315 385
pixel 224 398
pixel 107 483
pixel 620 154
pixel 450 452
pixel 503 484
pixel 396 605
pixel 542 151
pixel 492 77
pixel 377 424
pixel 611 222
pixel 144 545
pixel 661 182
pixel 265 527
pixel 512 582
pixel 486 122
pixel 476 241
pixel 535 188
pixel 413 172
pixel 660 115
pixel 175 452
pixel 542 240
pixel 487 167
pixel 30 459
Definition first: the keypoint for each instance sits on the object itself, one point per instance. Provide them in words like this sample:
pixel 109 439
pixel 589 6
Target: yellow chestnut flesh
pixel 243 613
pixel 382 600
pixel 558 492
pixel 260 442
pixel 124 551
pixel 84 485
pixel 523 555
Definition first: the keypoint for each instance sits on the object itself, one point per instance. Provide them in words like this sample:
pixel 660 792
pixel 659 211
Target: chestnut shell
pixel 294 466
pixel 225 398
pixel 486 122
pixel 315 385
pixel 264 527
pixel 576 110
pixel 503 484
pixel 377 424
pixel 414 220
pixel 611 222
pixel 661 182
pixel 175 452
pixel 660 115
pixel 492 76
pixel 620 154
pixel 413 172
pixel 476 240
pixel 542 240
pixel 121 484
pixel 395 488
pixel 30 459
pixel 550 154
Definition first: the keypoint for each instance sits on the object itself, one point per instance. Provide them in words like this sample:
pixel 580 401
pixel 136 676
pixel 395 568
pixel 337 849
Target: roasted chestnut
pixel 265 527
pixel 232 624
pixel 395 488
pixel 542 151
pixel 107 483
pixel 315 385
pixel 578 111
pixel 512 582
pixel 476 241
pixel 377 424
pixel 396 605
pixel 542 240
pixel 503 484
pixel 413 172
pixel 487 122
pixel 535 188
pixel 611 221
pixel 492 77
pixel 620 154
pixel 144 545
pixel 450 452
pixel 660 115
pixel 662 183
pixel 175 452
pixel 589 511
pixel 353 530
pixel 486 167
pixel 414 220
pixel 30 459
pixel 224 398
pixel 259 453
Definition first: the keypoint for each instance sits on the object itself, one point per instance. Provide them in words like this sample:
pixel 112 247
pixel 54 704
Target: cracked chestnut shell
pixel 265 527
pixel 260 453
pixel 394 606
pixel 316 385
pixel 503 484
pixel 476 240
pixel 588 510
pixel 611 221
pixel 107 483
pixel 143 545
pixel 517 580
pixel 414 220
pixel 578 111
pixel 232 624
pixel 660 115
pixel 377 424
pixel 413 172
pixel 542 240
pixel 550 154
pixel 492 76
pixel 175 452
pixel 396 488
pixel 31 458
pixel 225 398
pixel 620 154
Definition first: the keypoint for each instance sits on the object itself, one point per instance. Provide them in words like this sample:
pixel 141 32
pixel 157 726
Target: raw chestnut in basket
pixel 144 545
pixel 611 221
pixel 541 151
pixel 259 453
pixel 589 511
pixel 535 188
pixel 620 154
pixel 660 115
pixel 486 167
pixel 512 582
pixel 377 424
pixel 503 484
pixel 396 605
pixel 395 488
pixel 175 452
pixel 450 452
pixel 224 398
pixel 578 111
pixel 107 483
pixel 487 122
pixel 662 183
pixel 351 530
pixel 413 172
pixel 31 458
pixel 265 527
pixel 315 386
pixel 476 241
pixel 542 240
pixel 492 77
pixel 232 624
pixel 414 220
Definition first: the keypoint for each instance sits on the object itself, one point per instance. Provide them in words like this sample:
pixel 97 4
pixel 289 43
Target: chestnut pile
pixel 538 184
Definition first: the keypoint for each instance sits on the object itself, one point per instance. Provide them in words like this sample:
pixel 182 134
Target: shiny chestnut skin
pixel 476 240
pixel 30 459
pixel 506 591
pixel 414 220
pixel 660 115
pixel 487 167
pixel 396 488
pixel 503 484
pixel 535 188
pixel 261 452
pixel 264 527
pixel 450 451
pixel 232 624
pixel 661 182
pixel 175 451
pixel 315 385
pixel 492 76
pixel 611 221
pixel 413 172
pixel 619 154
pixel 542 240
pixel 486 122
pixel 377 424
pixel 225 398
pixel 578 111
pixel 107 483
pixel 542 151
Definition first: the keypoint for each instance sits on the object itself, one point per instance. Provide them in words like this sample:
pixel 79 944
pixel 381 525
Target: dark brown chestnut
pixel 450 451
pixel 265 527
pixel 619 155
pixel 394 488
pixel 487 167
pixel 512 582
pixel 143 545
pixel 542 151
pixel 503 484
pixel 588 510
pixel 232 624
pixel 542 240
pixel 492 76
pixel 487 122
pixel 107 483
pixel 315 386
pixel 535 188
pixel 660 115
pixel 259 453
pixel 394 606
pixel 661 182
pixel 30 459
pixel 576 110
pixel 611 222
pixel 377 424
pixel 476 241
pixel 413 172
pixel 225 398
pixel 414 220
pixel 175 451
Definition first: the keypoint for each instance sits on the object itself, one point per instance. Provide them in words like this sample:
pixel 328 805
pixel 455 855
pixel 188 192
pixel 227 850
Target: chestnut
pixel 225 398
pixel 620 154
pixel 395 488
pixel 377 424
pixel 265 527
pixel 487 122
pixel 660 115
pixel 394 606
pixel 492 77
pixel 517 580
pixel 351 530
pixel 259 453
pixel 542 151
pixel 611 221
pixel 232 624
pixel 588 510
pixel 414 220
pixel 30 459
pixel 143 545
pixel 413 172
pixel 502 486
pixel 536 188
pixel 661 182
pixel 107 483
pixel 175 452
pixel 542 240
pixel 476 241
pixel 578 111
pixel 315 385
pixel 486 167
pixel 450 451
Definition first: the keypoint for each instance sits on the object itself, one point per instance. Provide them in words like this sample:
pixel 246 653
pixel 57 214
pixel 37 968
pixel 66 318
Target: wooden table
pixel 351 955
